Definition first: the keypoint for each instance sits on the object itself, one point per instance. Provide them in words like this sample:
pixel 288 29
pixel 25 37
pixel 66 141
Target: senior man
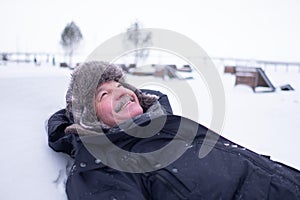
pixel 105 116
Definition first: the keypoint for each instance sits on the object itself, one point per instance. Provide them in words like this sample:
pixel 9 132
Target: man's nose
pixel 119 92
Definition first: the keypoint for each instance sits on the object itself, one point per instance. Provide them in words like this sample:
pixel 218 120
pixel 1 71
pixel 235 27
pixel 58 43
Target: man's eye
pixel 103 95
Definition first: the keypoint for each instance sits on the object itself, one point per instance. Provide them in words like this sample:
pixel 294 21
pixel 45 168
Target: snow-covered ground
pixel 267 123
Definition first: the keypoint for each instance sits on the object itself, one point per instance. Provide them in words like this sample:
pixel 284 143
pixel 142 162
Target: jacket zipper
pixel 170 186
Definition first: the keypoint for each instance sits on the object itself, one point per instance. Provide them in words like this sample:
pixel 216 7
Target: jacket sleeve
pixel 163 100
pixel 57 139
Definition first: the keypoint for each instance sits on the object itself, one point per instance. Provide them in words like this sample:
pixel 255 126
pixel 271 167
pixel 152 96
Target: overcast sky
pixel 251 29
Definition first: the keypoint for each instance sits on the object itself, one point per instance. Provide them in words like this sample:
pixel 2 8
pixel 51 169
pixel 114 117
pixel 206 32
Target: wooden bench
pixel 252 76
pixel 246 78
pixel 229 69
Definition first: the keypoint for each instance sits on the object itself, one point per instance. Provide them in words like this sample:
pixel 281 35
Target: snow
pixel 267 123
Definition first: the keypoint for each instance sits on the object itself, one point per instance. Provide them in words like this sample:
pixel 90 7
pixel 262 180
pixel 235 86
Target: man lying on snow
pixel 126 144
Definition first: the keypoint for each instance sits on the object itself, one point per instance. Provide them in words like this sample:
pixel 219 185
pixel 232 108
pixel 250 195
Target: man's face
pixel 115 103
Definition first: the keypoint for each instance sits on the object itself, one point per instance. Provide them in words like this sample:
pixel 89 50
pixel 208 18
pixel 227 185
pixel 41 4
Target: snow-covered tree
pixel 70 39
pixel 139 39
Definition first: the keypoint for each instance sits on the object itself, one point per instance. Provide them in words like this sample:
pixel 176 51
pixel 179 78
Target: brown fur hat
pixel 82 89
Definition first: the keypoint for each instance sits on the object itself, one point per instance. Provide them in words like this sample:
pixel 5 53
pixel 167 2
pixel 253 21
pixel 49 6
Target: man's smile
pixel 124 102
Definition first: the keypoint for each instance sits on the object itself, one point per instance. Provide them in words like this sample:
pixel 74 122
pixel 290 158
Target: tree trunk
pixel 70 59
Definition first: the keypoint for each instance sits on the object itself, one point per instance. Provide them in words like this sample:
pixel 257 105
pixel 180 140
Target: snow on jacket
pixel 229 171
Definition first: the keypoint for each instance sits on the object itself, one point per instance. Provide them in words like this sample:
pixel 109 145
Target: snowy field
pixel 267 123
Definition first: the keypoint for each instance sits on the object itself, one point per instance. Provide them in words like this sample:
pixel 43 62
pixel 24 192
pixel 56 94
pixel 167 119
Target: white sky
pixel 252 29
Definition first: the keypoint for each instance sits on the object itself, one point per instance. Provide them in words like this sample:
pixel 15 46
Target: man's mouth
pixel 124 101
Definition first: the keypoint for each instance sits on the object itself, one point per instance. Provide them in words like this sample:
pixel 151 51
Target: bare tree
pixel 70 39
pixel 139 39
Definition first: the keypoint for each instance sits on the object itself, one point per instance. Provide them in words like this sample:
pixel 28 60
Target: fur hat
pixel 82 89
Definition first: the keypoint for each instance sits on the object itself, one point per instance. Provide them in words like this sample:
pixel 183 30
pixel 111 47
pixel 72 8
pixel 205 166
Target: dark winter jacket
pixel 228 171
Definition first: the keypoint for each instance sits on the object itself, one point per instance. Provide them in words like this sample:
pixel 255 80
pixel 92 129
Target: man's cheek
pixel 134 110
